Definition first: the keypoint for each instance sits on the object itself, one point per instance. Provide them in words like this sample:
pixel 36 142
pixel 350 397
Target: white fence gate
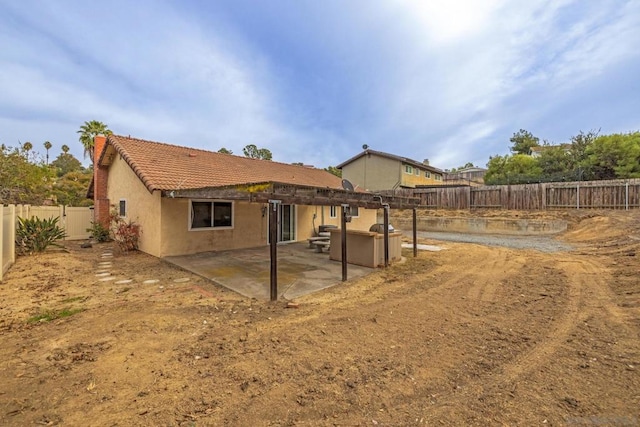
pixel 74 221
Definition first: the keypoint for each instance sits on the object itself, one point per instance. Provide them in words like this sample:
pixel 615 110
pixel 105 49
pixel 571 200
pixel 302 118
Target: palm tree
pixel 65 149
pixel 88 131
pixel 26 149
pixel 47 146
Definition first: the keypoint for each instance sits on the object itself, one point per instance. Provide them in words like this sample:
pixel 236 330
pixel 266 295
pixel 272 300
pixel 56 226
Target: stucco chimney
pixel 100 178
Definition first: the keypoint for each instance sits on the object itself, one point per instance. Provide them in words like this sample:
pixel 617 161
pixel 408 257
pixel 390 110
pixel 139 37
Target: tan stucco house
pixel 190 200
pixel 374 171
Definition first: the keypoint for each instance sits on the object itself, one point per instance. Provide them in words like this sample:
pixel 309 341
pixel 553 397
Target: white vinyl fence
pixel 7 238
pixel 74 221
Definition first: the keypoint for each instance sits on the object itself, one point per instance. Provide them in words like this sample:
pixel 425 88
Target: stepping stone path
pixel 150 282
pixel 122 282
pixel 181 280
pixel 103 273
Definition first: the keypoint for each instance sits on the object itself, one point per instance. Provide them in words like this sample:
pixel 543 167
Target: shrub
pixel 35 234
pixel 125 233
pixel 99 232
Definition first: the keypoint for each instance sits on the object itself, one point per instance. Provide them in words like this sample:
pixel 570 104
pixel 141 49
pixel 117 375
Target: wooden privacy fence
pixel 73 220
pixel 613 194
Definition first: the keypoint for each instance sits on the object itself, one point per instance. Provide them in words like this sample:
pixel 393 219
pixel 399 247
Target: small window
pixel 408 169
pixel 438 177
pixel 122 208
pixel 354 211
pixel 427 174
pixel 417 172
pixel 211 214
pixel 333 212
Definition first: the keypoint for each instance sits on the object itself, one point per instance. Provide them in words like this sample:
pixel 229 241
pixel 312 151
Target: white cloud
pixel 418 78
pixel 447 21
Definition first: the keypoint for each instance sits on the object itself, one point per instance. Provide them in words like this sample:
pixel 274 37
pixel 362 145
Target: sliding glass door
pixel 286 223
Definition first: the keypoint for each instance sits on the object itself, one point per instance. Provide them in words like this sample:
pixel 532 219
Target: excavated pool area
pixel 536 234
pixel 507 226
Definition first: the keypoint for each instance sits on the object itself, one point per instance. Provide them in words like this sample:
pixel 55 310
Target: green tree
pixel 65 163
pixel 555 163
pixel 22 181
pixel 516 169
pixel 496 170
pixel 88 131
pixel 71 188
pixel 65 149
pixel 579 145
pixel 334 170
pixel 613 156
pixel 225 151
pixel 256 153
pixel 523 141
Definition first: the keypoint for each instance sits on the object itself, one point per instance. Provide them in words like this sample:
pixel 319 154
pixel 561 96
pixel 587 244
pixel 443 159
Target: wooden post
pixel 415 233
pixel 343 241
pixel 386 235
pixel 626 196
pixel 273 241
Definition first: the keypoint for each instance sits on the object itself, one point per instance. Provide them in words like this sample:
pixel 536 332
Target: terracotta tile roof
pixel 401 159
pixel 170 167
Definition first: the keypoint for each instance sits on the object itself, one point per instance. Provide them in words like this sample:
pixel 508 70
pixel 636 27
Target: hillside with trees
pixel 26 177
pixel 588 157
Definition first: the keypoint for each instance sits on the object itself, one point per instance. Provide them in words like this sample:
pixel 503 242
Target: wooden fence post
pixel 626 196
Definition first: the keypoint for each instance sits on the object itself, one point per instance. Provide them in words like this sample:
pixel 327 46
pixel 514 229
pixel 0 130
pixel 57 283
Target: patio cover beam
pixel 291 194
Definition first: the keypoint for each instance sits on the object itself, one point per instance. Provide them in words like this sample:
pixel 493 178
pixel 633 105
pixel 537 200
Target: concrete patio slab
pixel 301 270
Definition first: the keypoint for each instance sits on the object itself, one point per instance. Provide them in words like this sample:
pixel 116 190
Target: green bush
pixel 99 232
pixel 35 234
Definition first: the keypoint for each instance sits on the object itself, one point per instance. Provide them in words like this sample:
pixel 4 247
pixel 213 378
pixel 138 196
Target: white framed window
pixel 417 171
pixel 122 208
pixel 427 174
pixel 438 177
pixel 333 212
pixel 354 211
pixel 408 169
pixel 207 214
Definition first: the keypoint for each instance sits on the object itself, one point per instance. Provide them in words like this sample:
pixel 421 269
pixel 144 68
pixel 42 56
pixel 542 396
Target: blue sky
pixel 312 81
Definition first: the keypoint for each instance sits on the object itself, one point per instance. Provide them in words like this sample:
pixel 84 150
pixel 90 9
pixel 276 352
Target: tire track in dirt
pixel 589 295
pixel 542 353
pixel 502 262
pixel 600 296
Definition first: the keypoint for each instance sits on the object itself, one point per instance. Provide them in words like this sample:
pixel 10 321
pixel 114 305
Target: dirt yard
pixel 470 335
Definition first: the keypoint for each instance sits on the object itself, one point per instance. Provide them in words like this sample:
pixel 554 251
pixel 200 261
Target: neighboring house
pixel 374 170
pixel 189 200
pixel 537 151
pixel 471 175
